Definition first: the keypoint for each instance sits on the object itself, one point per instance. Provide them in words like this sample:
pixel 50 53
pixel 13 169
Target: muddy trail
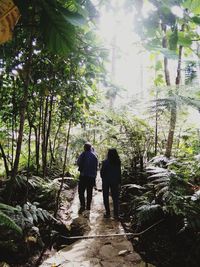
pixel 108 251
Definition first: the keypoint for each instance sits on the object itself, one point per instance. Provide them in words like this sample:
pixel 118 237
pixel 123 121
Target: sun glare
pixel 176 10
pixel 117 30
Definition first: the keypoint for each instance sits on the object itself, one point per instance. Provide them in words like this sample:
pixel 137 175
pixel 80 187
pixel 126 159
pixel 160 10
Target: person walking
pixel 111 179
pixel 87 163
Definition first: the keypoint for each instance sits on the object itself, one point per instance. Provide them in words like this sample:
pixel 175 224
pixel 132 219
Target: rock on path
pixel 96 252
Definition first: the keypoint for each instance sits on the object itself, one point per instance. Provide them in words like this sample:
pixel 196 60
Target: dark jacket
pixel 87 163
pixel 110 173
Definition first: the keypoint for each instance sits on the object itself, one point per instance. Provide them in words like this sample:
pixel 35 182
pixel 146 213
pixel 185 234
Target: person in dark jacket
pixel 111 179
pixel 87 163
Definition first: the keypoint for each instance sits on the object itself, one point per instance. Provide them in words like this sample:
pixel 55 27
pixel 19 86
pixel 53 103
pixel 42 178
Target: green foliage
pixel 170 198
pixel 31 214
pixel 173 39
pixel 62 20
pixel 6 221
pixel 173 194
pixel 148 212
pixel 60 35
pixel 193 6
pixel 178 30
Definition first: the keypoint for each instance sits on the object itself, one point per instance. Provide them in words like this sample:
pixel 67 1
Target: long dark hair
pixel 113 157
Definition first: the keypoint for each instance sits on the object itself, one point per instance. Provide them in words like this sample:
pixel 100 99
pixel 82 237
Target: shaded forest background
pixel 56 93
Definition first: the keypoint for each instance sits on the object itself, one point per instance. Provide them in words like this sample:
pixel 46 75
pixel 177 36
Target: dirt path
pixel 97 252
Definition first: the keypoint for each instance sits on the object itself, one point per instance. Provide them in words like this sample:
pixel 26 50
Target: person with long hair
pixel 111 179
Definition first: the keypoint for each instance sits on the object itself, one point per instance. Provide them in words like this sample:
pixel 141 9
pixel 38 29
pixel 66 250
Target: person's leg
pixel 115 198
pixel 89 196
pixel 90 185
pixel 81 192
pixel 105 188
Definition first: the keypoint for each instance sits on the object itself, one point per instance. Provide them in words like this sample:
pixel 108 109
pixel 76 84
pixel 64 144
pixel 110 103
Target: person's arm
pixel 96 165
pixel 102 170
pixel 120 174
pixel 80 160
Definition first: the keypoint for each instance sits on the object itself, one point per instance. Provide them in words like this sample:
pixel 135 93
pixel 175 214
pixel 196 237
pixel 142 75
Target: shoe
pixel 81 210
pixel 106 215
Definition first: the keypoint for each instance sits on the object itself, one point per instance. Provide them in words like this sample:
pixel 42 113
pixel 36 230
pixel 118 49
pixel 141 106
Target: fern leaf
pixel 155 170
pixel 40 214
pixel 4 207
pixel 9 223
pixel 163 174
pixel 9 16
pixel 164 190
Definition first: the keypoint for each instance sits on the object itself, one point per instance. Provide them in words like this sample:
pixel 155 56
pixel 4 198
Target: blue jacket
pixel 87 163
pixel 110 173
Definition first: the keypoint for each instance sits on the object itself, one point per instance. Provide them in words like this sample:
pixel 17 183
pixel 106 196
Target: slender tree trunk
pixel 5 161
pixel 27 69
pixel 164 45
pixel 65 161
pixel 171 131
pixel 141 163
pixel 173 109
pixel 36 143
pixel 54 141
pixel 13 127
pixel 28 166
pixel 47 135
pixel 63 172
pixel 13 140
pixel 8 139
pixel 44 126
pixel 156 127
pixel 39 137
pixel 173 115
pixel 51 153
pixel 29 148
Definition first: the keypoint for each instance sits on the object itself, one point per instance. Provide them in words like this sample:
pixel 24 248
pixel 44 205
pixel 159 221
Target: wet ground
pixel 96 252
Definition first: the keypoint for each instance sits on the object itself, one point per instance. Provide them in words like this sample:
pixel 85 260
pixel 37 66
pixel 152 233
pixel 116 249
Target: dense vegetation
pixel 51 103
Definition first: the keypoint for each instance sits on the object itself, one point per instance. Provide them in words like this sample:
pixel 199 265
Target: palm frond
pixel 60 33
pixel 9 16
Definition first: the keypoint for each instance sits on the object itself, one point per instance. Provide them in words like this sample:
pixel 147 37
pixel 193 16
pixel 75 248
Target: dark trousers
pixel 86 183
pixel 114 188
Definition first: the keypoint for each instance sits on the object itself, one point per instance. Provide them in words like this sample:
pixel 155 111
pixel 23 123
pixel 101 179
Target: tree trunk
pixel 28 165
pixel 27 71
pixel 38 137
pixel 29 148
pixel 65 160
pixel 64 167
pixel 54 141
pixel 44 126
pixel 13 140
pixel 173 109
pixel 171 132
pixel 173 114
pixel 4 160
pixel 156 127
pixel 47 135
pixel 166 69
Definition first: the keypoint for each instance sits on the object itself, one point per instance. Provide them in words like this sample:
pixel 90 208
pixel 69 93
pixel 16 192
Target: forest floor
pixel 96 252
